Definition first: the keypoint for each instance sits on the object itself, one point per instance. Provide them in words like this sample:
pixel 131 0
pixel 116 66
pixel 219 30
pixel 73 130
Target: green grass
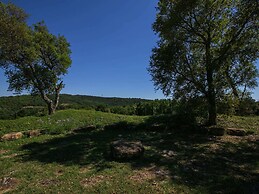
pixel 64 121
pixel 174 161
pixel 249 123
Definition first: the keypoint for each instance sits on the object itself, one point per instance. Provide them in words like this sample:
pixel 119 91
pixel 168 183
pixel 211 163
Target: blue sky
pixel 111 43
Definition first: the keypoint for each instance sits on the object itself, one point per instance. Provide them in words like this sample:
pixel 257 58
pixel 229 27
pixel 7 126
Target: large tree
pixel 206 48
pixel 40 66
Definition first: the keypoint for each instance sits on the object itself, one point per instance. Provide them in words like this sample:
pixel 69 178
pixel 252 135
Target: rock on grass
pixel 122 149
pixel 12 136
pixel 236 132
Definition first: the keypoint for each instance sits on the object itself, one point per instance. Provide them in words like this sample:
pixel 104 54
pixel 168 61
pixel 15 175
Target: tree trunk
pixel 212 110
pixel 211 95
pixel 51 108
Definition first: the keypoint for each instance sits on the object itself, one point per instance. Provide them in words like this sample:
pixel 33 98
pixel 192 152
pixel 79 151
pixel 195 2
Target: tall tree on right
pixel 206 48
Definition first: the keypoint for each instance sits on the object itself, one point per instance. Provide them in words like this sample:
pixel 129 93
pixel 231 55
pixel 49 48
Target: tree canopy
pixel 206 48
pixel 13 30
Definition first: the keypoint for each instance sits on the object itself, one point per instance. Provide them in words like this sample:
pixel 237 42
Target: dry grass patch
pixel 9 156
pixel 59 172
pixel 3 151
pixel 49 182
pixel 94 180
pixel 7 184
pixel 147 174
pixel 85 169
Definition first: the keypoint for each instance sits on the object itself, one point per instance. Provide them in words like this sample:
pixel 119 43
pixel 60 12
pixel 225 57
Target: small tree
pixel 43 60
pixel 206 48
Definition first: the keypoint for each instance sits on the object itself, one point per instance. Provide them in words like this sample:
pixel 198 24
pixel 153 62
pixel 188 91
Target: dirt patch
pixel 214 147
pixel 9 156
pixel 252 138
pixel 8 184
pixel 59 172
pixel 84 170
pixel 49 182
pixel 147 174
pixel 94 180
pixel 231 139
pixel 142 176
pixel 3 151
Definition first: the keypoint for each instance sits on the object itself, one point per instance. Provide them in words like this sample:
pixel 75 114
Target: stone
pixel 216 131
pixel 12 136
pixel 34 133
pixel 122 149
pixel 236 132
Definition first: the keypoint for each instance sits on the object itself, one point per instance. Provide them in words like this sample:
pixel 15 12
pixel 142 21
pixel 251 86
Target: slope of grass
pixel 64 121
pixel 174 161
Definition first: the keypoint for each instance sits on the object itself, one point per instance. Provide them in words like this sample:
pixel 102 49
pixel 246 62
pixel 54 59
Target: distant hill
pixel 24 105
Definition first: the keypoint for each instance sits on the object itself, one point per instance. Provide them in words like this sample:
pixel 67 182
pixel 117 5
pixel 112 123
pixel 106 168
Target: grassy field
pixel 175 161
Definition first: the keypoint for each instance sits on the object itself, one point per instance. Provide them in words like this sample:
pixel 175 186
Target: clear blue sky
pixel 111 43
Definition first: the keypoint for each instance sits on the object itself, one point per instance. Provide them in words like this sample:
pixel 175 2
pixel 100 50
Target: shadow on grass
pixel 213 164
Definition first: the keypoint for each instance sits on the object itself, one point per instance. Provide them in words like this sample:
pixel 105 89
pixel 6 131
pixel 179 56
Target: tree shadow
pixel 212 163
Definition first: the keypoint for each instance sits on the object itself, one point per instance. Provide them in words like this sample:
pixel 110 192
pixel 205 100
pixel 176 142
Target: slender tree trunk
pixel 51 108
pixel 49 102
pixel 211 100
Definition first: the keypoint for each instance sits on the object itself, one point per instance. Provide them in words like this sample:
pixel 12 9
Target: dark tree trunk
pixel 210 95
pixel 212 110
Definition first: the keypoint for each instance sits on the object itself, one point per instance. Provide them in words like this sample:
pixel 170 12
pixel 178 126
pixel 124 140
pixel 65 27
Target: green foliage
pixel 231 106
pixel 155 107
pixel 10 106
pixel 125 110
pixel 13 30
pixel 206 48
pixel 102 108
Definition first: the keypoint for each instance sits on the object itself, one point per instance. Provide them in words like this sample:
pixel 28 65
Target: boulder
pixel 236 132
pixel 12 136
pixel 123 149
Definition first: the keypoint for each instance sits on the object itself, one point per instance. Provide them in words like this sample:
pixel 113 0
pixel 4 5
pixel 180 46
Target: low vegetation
pixel 13 107
pixel 177 158
pixel 26 105
pixel 64 121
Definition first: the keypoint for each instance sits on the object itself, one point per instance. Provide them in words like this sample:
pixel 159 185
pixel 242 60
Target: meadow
pixel 178 158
